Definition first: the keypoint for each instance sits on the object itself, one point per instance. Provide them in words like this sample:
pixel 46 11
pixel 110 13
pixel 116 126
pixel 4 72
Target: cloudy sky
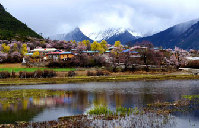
pixel 61 16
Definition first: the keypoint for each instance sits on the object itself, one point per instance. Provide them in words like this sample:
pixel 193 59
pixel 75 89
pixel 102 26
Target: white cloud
pixel 60 16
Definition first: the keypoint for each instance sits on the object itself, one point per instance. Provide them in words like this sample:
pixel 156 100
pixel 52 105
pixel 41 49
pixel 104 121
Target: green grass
pixel 104 110
pixel 191 97
pixel 34 69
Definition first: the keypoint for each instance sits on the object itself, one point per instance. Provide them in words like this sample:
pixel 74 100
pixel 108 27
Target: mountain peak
pixel 77 29
pixel 75 34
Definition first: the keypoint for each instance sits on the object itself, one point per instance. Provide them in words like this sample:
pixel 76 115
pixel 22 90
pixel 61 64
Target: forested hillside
pixel 11 28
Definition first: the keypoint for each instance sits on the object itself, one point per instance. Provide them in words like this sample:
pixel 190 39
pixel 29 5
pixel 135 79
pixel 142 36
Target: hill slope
pixel 11 28
pixel 124 38
pixel 174 36
pixel 190 38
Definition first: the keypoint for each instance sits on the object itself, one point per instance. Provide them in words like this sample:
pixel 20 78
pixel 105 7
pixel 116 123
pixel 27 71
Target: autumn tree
pixel 35 54
pixel 117 44
pixel 103 44
pixel 87 44
pixel 95 46
pixel 24 49
pixel 5 48
pixel 118 48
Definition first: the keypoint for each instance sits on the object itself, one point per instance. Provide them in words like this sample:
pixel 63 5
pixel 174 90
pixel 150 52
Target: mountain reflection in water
pixel 84 96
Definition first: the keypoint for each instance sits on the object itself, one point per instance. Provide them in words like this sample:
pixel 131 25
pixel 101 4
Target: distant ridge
pixel 184 35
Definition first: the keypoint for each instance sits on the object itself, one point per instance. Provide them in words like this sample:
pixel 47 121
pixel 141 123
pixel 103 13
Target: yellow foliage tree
pixel 117 44
pixel 118 48
pixel 5 48
pixel 24 49
pixel 15 47
pixel 35 54
pixel 95 46
pixel 42 42
pixel 103 44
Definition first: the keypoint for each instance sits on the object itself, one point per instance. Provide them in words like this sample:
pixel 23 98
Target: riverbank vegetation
pixel 64 80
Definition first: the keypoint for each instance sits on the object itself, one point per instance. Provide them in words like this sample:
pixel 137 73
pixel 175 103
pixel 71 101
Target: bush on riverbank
pixel 4 75
pixel 98 73
pixel 38 74
pixel 71 74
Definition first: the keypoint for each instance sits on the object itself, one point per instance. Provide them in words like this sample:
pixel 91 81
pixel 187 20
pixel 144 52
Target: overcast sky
pixel 61 16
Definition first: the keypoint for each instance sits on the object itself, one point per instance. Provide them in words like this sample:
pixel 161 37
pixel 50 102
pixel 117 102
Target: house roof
pixel 29 54
pixel 59 53
pixel 192 58
pixel 44 50
pixel 65 53
pixel 90 51
pixel 134 52
pixel 128 50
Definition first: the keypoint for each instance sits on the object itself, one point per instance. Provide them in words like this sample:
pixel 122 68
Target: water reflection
pixel 84 96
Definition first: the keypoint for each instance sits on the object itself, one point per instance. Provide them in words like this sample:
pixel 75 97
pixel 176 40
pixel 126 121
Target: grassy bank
pixel 63 80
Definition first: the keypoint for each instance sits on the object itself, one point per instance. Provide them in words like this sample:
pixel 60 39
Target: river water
pixel 84 96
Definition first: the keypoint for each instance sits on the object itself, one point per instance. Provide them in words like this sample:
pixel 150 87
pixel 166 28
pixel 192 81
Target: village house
pixel 59 56
pixel 42 55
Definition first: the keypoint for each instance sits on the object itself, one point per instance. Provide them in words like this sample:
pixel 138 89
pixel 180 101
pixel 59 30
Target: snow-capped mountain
pixel 108 33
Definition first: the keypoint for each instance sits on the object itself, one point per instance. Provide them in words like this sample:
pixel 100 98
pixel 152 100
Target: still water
pixel 84 96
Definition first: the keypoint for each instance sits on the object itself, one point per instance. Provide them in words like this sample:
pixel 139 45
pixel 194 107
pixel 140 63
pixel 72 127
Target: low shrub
pixel 13 75
pixel 102 73
pixel 99 73
pixel 26 74
pixel 38 74
pixel 89 73
pixel 4 75
pixel 71 73
pixel 49 73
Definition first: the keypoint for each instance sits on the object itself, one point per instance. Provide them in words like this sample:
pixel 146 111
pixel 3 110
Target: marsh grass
pixel 120 111
pixel 100 110
pixel 191 97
